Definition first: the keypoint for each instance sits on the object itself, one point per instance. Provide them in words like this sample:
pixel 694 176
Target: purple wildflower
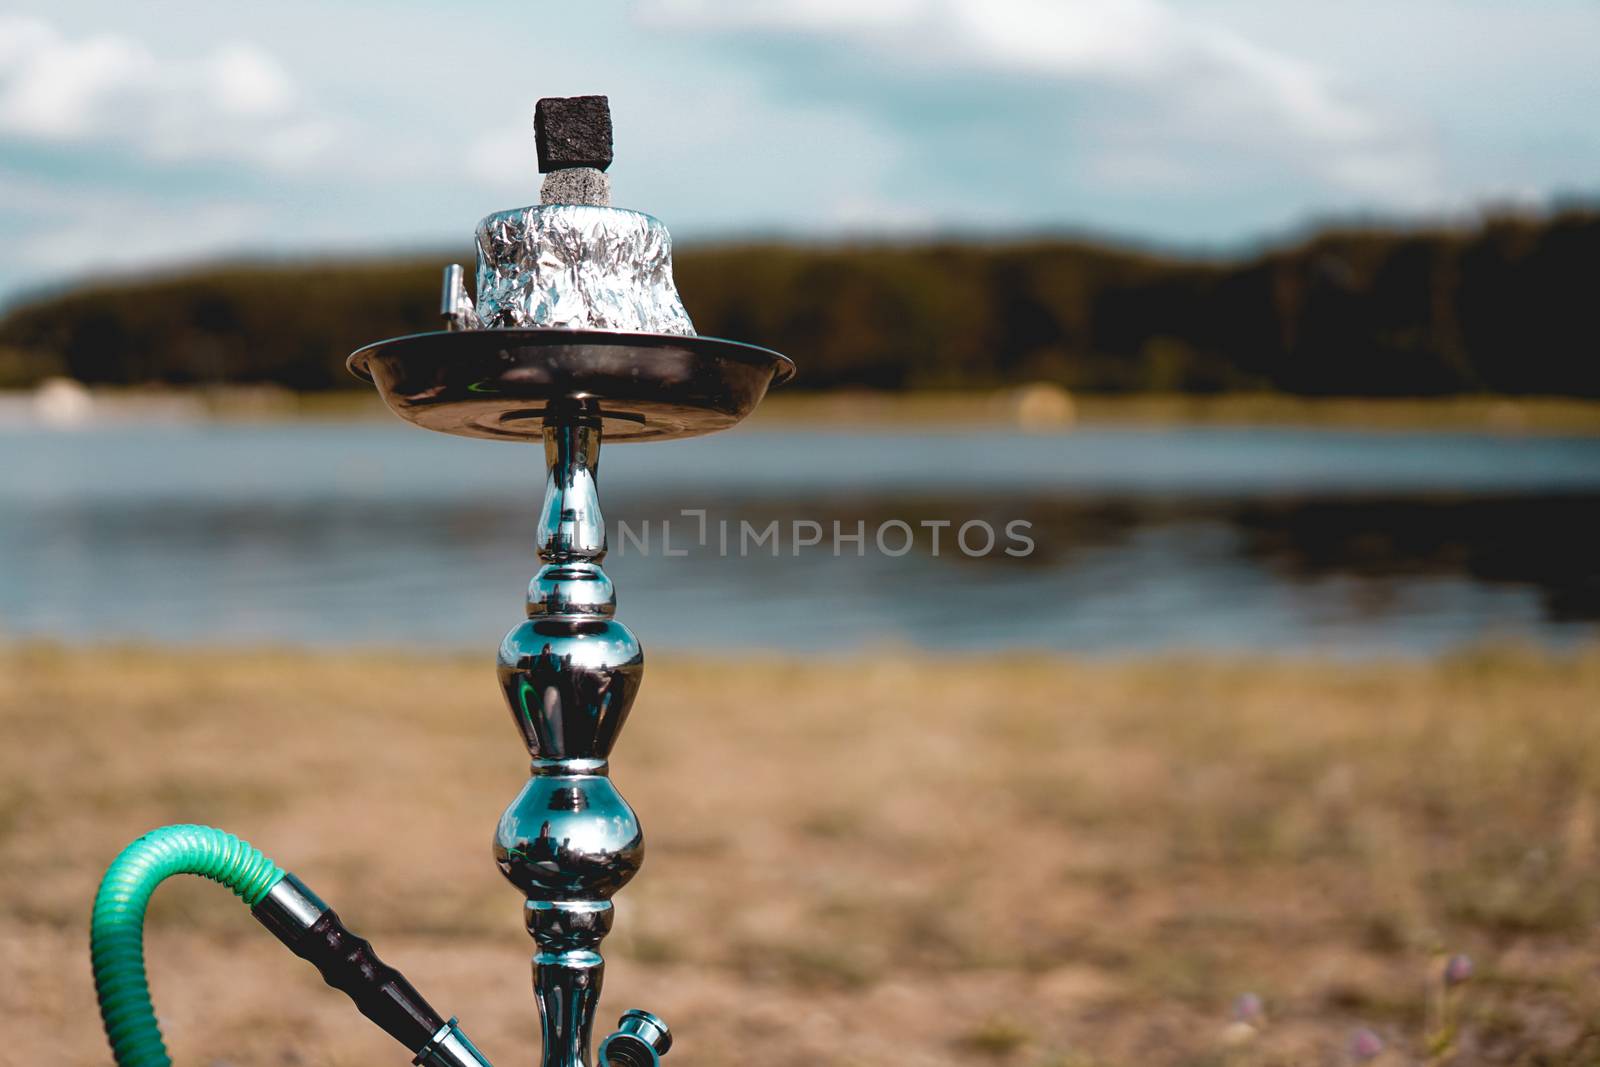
pixel 1458 969
pixel 1365 1045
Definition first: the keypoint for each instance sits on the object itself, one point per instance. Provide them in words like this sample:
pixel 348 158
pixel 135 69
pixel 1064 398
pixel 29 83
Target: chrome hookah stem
pixel 570 672
pixel 570 525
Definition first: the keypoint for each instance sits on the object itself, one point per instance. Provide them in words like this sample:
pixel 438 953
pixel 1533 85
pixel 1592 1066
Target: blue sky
pixel 134 136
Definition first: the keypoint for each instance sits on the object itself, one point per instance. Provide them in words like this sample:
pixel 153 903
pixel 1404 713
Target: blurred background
pixel 1274 322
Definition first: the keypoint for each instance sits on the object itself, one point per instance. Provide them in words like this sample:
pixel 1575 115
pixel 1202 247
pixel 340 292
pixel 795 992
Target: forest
pixel 1505 305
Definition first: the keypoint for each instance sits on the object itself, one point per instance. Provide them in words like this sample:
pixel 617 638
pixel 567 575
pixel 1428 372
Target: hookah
pixel 577 336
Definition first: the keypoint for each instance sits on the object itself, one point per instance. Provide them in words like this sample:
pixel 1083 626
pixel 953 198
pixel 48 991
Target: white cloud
pixel 1119 40
pixel 1182 90
pixel 249 83
pixel 51 87
pixel 504 160
pixel 113 233
pixel 235 103
pixel 812 15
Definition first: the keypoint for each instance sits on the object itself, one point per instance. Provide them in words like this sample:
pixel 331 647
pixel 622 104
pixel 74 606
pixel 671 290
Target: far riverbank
pixel 1040 407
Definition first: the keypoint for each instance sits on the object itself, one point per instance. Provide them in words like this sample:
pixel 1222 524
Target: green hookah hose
pixel 116 936
pixel 284 905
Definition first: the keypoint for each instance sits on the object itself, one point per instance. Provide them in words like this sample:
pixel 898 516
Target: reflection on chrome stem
pixel 570 673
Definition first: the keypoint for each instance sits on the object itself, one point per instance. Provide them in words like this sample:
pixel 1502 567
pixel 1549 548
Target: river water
pixel 1121 540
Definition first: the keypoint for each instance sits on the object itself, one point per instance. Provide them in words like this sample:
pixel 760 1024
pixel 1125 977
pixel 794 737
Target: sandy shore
pixel 907 861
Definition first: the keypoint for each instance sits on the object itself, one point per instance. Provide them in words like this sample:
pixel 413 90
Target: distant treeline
pixel 1509 306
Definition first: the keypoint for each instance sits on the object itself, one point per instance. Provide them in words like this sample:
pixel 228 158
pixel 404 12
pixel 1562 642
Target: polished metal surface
pixel 567 974
pixel 455 306
pixel 640 1040
pixel 569 837
pixel 450 1048
pixel 569 673
pixel 570 670
pixel 505 383
pixel 289 909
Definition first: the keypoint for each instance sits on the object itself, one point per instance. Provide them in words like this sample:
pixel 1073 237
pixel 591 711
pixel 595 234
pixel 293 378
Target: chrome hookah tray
pixel 506 383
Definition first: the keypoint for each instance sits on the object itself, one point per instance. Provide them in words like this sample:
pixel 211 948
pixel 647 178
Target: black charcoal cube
pixel 573 131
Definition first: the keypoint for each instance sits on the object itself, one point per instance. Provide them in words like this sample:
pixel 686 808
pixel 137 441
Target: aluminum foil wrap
pixel 577 266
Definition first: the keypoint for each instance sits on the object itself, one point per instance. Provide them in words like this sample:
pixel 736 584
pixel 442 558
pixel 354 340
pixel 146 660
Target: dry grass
pixel 908 861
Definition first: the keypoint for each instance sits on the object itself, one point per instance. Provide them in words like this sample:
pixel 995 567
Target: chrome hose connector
pixel 449 1047
pixel 640 1040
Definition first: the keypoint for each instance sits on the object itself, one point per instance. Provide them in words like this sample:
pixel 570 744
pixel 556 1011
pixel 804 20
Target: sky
pixel 139 136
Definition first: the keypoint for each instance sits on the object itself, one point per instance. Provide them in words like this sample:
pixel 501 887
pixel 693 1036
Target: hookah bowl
pixel 577 337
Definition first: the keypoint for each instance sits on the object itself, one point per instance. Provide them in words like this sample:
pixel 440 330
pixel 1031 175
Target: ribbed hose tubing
pixel 117 929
